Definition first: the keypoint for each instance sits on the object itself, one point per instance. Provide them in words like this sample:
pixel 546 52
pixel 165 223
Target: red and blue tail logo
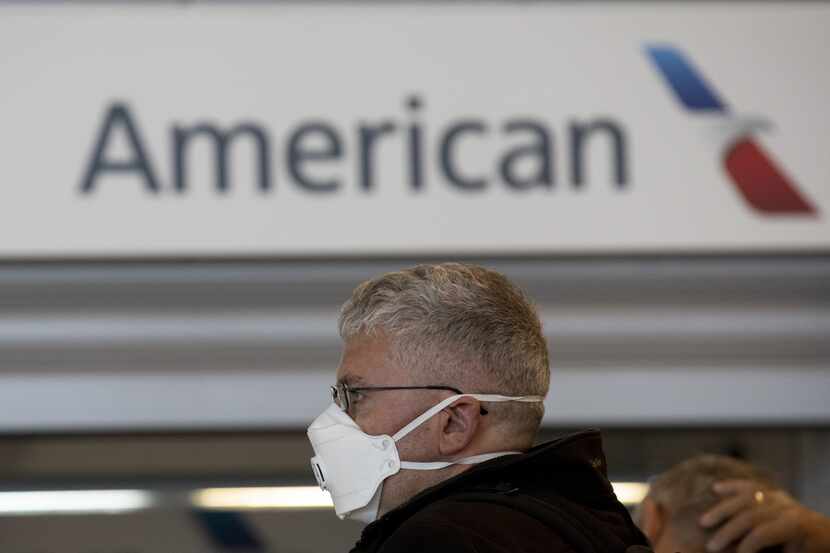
pixel 762 184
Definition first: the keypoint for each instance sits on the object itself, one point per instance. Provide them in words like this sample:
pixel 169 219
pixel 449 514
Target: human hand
pixel 756 517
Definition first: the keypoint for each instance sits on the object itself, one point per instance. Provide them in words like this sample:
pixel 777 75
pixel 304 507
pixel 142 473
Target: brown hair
pixel 685 493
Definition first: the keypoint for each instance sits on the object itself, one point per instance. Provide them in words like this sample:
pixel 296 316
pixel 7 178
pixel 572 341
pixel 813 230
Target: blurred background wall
pixel 161 335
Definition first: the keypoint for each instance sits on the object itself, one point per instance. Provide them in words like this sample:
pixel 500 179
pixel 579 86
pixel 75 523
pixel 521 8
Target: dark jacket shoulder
pixel 473 527
pixel 520 503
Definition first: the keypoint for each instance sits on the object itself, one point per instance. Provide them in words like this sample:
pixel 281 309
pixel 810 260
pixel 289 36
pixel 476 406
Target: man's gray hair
pixel 685 492
pixel 458 325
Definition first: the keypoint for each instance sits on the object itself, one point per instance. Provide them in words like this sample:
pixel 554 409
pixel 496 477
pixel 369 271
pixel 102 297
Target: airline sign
pixel 290 130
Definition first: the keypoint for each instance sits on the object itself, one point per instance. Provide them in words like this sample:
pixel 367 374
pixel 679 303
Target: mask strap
pixel 474 460
pixel 432 411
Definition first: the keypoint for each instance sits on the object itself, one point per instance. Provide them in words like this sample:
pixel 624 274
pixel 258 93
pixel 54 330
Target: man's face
pixel 366 361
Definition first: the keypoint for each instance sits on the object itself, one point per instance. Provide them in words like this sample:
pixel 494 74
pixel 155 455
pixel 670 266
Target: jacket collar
pixel 580 452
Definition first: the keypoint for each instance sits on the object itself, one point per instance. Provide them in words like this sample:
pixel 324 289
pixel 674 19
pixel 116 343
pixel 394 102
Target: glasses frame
pixel 345 405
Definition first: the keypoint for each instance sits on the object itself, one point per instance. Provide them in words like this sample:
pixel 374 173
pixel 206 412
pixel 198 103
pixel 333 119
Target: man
pixel 712 503
pixel 438 399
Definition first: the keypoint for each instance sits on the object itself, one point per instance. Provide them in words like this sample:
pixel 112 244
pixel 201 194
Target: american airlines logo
pixel 761 182
pixel 322 157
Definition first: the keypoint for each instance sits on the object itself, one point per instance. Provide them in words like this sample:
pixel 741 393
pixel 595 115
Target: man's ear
pixel 458 425
pixel 652 519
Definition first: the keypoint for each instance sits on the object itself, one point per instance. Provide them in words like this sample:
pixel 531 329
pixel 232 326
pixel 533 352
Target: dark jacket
pixel 551 499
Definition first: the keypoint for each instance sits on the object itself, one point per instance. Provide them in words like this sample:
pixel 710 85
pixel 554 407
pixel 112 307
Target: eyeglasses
pixel 343 395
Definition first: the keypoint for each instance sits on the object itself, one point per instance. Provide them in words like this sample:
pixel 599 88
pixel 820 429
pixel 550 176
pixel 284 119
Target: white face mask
pixel 352 465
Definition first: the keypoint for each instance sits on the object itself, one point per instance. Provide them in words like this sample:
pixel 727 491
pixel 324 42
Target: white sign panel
pixel 292 130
